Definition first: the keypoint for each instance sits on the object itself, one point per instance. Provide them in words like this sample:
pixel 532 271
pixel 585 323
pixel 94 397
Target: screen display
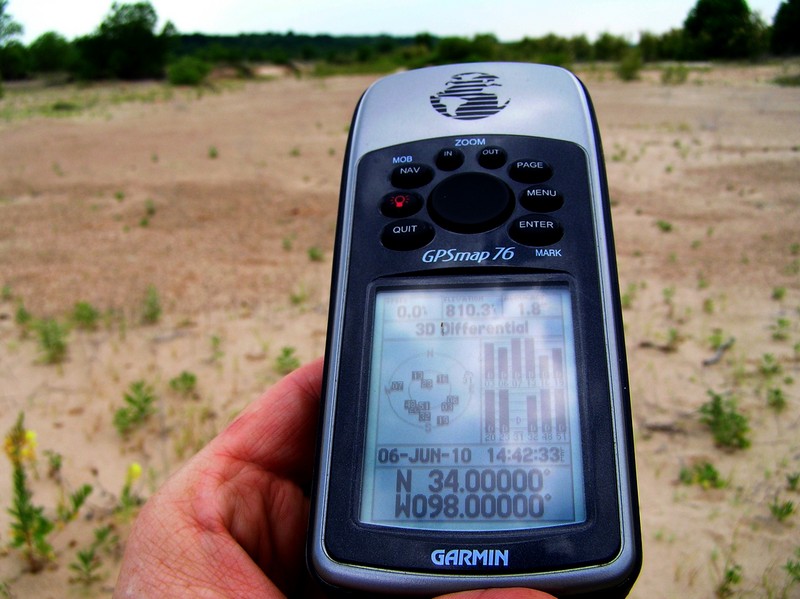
pixel 472 420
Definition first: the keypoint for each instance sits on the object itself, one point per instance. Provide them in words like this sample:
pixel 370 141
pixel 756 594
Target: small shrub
pixel 188 70
pixel 729 428
pixel 630 65
pixel 674 75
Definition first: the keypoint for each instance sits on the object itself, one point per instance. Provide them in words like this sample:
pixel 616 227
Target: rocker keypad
pixel 470 192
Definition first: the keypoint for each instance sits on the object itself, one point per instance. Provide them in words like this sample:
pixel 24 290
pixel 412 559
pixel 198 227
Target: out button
pixel 536 230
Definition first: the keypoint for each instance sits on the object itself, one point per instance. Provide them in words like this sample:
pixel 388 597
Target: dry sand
pixel 237 185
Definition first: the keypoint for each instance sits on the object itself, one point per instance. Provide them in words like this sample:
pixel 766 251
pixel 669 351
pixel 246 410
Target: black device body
pixel 475 428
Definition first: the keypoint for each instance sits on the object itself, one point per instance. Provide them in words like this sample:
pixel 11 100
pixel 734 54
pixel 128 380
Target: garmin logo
pixel 470 557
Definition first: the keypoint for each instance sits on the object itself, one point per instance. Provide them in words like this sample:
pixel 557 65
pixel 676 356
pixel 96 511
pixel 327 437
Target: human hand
pixel 232 521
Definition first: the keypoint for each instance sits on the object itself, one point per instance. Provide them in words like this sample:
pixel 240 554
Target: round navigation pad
pixel 471 203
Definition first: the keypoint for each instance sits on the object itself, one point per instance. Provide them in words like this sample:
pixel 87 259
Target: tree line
pixel 128 45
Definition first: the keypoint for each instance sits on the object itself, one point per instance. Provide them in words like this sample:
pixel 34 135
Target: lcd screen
pixel 473 419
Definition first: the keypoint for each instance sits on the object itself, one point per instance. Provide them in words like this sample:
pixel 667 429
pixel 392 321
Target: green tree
pixel 126 45
pixel 724 29
pixel 610 47
pixel 12 53
pixel 9 28
pixel 51 52
pixel 786 28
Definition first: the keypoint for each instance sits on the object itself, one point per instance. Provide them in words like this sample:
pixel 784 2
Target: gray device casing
pixel 543 102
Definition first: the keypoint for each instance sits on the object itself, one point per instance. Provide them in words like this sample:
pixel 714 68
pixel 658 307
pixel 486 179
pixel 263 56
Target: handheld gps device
pixel 475 426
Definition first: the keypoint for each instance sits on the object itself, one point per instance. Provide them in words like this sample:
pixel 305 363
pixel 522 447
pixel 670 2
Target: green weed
pixel 67 511
pixel 52 337
pixel 703 474
pixel 185 383
pixel 315 254
pixel 781 510
pixel 139 406
pixel 85 316
pixel 769 366
pixel 22 316
pixel 30 528
pixel 731 577
pixel 776 399
pixel 216 348
pixel 792 567
pixel 151 306
pixel 286 362
pixel 87 562
pixel 729 428
pixel 664 226
pixel 128 500
pixel 781 329
pixel 213 153
pixel 299 297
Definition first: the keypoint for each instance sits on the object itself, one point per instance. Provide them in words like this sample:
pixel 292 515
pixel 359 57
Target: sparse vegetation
pixel 729 427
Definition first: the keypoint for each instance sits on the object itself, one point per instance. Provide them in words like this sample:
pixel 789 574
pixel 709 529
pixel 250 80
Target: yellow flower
pixel 134 472
pixel 28 449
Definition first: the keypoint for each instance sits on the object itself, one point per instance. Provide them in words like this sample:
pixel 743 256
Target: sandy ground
pixel 225 203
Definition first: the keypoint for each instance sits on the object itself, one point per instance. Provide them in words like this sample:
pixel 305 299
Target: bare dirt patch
pixel 225 203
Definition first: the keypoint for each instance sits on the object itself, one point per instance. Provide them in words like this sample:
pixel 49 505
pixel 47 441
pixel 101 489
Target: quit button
pixel 407 234
pixel 536 230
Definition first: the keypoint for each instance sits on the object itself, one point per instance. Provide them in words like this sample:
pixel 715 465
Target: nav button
pixel 536 230
pixel 407 234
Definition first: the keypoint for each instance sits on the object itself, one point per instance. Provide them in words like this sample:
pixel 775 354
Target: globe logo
pixel 470 96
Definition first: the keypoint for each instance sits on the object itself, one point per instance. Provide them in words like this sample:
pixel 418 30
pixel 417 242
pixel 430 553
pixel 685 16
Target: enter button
pixel 536 230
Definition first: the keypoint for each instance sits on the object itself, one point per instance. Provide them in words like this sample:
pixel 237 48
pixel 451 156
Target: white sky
pixel 509 20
